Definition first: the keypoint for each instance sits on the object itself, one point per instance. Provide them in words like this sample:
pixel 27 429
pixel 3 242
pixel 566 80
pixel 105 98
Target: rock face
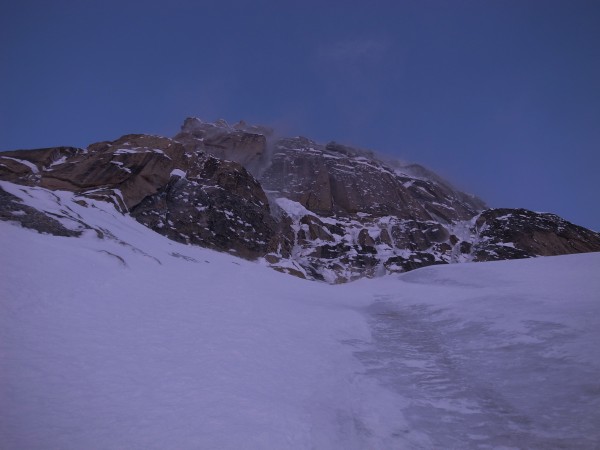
pixel 325 212
pixel 241 143
pixel 12 209
pixel 519 233
pixel 215 204
pixel 339 180
pixel 188 196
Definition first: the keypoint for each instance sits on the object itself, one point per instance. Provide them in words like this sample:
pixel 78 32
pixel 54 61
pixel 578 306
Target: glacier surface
pixel 124 339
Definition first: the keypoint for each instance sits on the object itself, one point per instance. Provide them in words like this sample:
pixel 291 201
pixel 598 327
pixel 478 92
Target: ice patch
pixel 178 173
pixel 293 209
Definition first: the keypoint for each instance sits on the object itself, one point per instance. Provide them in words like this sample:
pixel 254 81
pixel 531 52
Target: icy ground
pixel 137 342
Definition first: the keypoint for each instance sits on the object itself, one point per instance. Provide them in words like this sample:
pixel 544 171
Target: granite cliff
pixel 320 211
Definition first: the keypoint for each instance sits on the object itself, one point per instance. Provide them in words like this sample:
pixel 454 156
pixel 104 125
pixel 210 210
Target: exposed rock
pixel 329 182
pixel 241 143
pixel 221 207
pixel 519 233
pixel 465 247
pixel 315 229
pixel 412 262
pixel 384 238
pixel 124 171
pixel 186 195
pixel 12 209
pixel 327 212
pixel 365 240
pixel 25 166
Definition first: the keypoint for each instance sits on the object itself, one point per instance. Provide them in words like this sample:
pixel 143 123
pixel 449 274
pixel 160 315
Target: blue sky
pixel 500 97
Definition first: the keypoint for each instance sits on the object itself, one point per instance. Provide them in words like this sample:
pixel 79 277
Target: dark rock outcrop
pixel 220 207
pixel 520 233
pixel 12 209
pixel 186 195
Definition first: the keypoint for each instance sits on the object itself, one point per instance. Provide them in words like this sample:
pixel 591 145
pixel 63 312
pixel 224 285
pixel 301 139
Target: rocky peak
pixel 328 212
pixel 236 143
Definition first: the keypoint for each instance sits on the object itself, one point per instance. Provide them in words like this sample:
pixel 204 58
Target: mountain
pixel 138 311
pixel 124 339
pixel 325 212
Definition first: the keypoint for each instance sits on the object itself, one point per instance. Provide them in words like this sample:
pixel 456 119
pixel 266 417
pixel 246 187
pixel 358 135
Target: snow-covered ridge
pixel 24 162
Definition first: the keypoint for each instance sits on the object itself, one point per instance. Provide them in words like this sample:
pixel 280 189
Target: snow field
pixel 137 342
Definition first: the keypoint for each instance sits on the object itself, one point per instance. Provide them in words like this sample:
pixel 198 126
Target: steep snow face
pixel 120 338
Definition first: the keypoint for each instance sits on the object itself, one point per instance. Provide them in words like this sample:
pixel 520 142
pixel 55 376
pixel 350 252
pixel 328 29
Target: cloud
pixel 354 52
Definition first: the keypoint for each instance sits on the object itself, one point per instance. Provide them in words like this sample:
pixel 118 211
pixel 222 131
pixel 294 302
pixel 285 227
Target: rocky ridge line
pixel 324 212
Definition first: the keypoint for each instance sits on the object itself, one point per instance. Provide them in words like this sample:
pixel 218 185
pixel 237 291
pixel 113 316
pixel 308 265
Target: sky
pixel 502 98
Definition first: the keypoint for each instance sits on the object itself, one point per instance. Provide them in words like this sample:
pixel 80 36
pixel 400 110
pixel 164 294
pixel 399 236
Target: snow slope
pixel 137 342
